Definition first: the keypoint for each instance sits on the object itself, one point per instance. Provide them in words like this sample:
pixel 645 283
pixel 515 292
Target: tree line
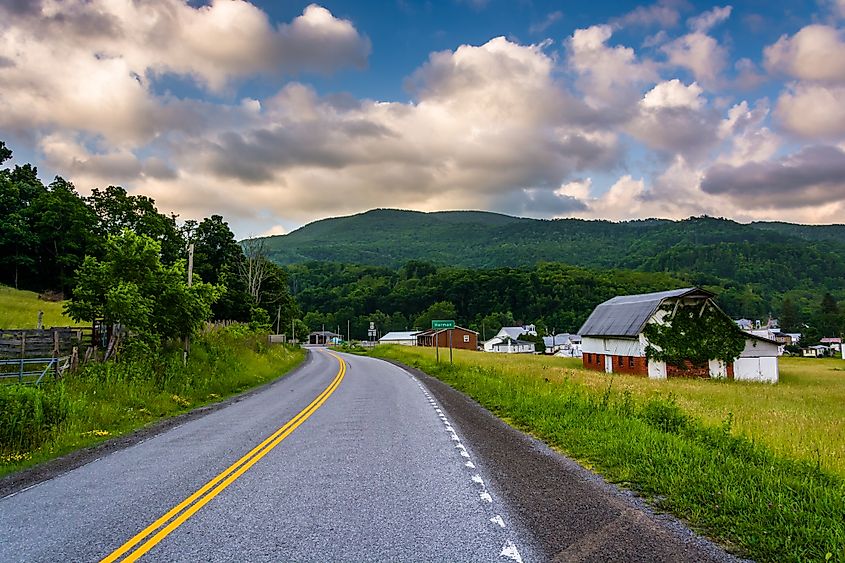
pixel 121 260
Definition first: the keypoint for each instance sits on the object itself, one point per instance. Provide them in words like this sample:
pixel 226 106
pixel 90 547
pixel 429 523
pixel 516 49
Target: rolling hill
pixel 743 253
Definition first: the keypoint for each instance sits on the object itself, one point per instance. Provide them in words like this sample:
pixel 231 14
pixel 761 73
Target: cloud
pixel 608 76
pixel 813 111
pixel 705 21
pixel 673 118
pixel 699 53
pixel 664 14
pixel 816 52
pixel 550 19
pixel 814 175
pixel 489 125
pixel 748 77
pixel 91 65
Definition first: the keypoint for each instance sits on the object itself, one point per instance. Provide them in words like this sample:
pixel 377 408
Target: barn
pixel 613 340
pixel 463 338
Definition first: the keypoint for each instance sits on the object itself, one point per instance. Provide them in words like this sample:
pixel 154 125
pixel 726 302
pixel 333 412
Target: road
pixel 348 458
pixel 375 472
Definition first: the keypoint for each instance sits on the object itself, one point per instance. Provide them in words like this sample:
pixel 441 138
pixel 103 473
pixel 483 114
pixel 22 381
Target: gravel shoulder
pixel 573 513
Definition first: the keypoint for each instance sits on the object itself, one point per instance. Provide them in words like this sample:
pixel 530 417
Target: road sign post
pixel 442 325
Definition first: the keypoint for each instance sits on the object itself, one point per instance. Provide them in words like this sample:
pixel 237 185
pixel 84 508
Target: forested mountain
pixel 752 266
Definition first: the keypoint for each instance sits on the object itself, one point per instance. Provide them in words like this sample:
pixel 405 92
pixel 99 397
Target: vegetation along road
pixel 347 458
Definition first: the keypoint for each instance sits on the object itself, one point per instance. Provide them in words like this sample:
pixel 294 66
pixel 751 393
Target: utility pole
pixel 348 337
pixel 187 347
pixel 292 330
pixel 278 318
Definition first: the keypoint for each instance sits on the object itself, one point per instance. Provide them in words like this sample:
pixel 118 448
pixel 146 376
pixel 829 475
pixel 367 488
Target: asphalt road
pixel 365 466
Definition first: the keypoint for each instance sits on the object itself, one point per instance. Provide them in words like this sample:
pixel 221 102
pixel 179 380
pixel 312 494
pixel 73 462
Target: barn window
pixel 466 338
pixel 630 361
pixel 620 360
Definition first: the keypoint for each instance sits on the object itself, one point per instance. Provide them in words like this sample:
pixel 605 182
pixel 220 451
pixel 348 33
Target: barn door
pixel 608 364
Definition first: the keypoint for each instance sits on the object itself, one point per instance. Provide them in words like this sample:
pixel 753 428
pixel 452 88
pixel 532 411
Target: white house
pixel 613 340
pixel 407 338
pixel 507 340
pixel 508 345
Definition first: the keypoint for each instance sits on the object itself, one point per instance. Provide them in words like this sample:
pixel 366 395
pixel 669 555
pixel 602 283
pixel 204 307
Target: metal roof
pixel 396 335
pixel 626 315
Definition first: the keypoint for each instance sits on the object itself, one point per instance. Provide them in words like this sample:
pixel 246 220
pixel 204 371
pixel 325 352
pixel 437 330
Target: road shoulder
pixel 573 513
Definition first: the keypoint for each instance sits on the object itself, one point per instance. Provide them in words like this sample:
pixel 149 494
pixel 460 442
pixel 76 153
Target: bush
pixel 28 415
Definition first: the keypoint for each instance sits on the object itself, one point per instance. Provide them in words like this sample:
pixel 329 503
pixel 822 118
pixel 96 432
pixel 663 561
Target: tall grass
pixel 736 490
pixel 113 398
pixel 19 309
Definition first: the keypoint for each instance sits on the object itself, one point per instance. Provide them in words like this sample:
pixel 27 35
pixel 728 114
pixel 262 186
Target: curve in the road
pixel 177 515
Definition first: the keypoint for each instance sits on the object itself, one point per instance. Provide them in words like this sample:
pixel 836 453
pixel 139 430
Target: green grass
pixel 19 309
pixel 685 445
pixel 107 400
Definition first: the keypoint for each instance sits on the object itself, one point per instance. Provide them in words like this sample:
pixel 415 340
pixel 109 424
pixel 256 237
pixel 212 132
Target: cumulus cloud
pixel 608 76
pixel 812 110
pixel 674 118
pixel 814 175
pixel 699 53
pixel 90 64
pixel 489 125
pixel 816 52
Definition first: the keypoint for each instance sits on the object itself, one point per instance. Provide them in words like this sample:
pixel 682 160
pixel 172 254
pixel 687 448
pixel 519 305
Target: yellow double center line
pixel 177 515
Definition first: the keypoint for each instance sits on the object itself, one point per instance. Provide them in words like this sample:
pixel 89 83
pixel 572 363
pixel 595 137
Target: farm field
pixel 19 309
pixel 757 467
pixel 802 417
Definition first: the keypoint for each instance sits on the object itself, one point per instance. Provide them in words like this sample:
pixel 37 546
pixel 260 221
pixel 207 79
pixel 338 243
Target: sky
pixel 275 114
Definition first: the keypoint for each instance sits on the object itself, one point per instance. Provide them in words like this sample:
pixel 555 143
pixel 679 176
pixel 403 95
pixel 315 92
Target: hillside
pixel 19 309
pixel 741 253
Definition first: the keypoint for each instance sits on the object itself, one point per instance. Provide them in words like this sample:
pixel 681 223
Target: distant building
pixel 507 345
pixel 834 343
pixel 613 340
pixel 324 338
pixel 507 340
pixel 817 351
pixel 462 338
pixel 563 344
pixel 407 338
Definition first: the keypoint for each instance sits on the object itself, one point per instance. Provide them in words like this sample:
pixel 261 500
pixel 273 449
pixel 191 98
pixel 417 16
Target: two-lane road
pixel 346 459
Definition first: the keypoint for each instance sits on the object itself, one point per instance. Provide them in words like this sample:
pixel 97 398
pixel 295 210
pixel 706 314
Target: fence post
pixel 56 353
pixel 23 355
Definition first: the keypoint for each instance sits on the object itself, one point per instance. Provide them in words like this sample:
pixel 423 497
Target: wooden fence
pixel 29 355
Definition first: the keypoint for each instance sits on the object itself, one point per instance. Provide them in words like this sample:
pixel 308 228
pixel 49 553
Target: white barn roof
pixel 626 315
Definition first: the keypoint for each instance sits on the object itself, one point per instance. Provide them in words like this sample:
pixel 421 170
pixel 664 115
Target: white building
pixel 613 340
pixel 564 345
pixel 508 345
pixel 507 340
pixel 407 338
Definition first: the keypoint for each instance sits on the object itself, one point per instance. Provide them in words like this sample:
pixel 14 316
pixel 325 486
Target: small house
pixel 506 340
pixel 613 340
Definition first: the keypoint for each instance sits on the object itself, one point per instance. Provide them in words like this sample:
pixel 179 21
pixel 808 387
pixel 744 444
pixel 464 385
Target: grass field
pixel 757 467
pixel 19 309
pixel 802 417
pixel 106 400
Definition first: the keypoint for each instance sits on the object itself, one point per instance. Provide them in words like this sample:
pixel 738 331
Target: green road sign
pixel 442 324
